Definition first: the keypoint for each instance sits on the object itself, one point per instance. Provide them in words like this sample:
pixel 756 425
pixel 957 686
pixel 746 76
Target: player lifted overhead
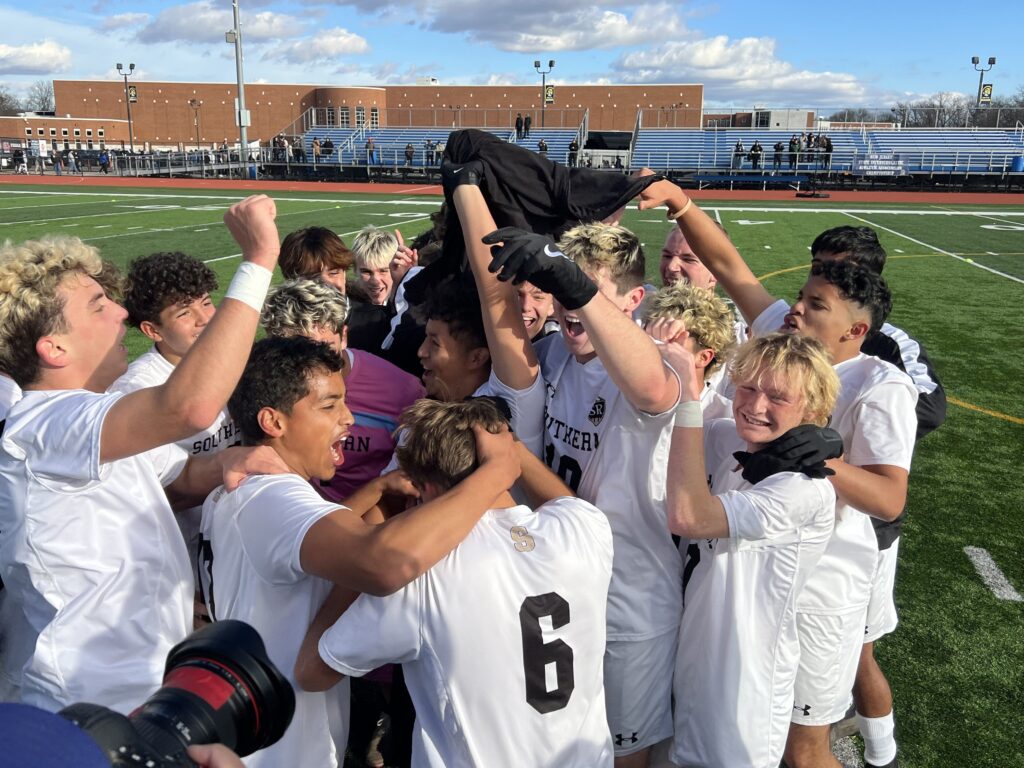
pixel 502 641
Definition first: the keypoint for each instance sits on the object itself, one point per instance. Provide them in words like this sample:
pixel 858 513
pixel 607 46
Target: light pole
pixel 127 102
pixel 543 86
pixel 234 36
pixel 981 76
pixel 196 106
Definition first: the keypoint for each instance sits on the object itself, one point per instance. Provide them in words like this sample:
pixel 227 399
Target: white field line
pixel 982 216
pixel 991 575
pixel 969 262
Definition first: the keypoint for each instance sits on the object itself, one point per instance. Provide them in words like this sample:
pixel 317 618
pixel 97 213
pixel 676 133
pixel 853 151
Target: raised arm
pixel 200 385
pixel 692 510
pixel 712 246
pixel 512 356
pixel 381 559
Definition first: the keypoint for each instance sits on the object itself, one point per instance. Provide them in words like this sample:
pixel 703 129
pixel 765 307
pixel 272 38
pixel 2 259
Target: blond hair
pixel 595 246
pixel 374 248
pixel 301 306
pixel 439 446
pixel 30 305
pixel 707 318
pixel 796 359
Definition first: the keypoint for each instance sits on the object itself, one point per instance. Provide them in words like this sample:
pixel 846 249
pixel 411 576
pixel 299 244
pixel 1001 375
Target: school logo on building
pixel 597 411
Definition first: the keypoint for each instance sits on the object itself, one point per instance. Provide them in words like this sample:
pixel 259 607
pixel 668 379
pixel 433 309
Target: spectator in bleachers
pixel 779 148
pixel 328 148
pixel 527 122
pixel 574 153
pixel 371 151
pixel 542 148
pixel 410 153
pixel 316 151
pixel 737 154
pixel 826 149
pixel 519 125
pixel 794 151
pixel 756 153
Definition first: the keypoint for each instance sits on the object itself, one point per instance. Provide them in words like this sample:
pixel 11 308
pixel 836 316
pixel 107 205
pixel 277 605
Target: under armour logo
pixel 805 709
pixel 621 739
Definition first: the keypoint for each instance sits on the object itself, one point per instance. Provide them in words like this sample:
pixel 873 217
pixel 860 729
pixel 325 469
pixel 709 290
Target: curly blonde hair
pixel 301 306
pixel 30 305
pixel 594 246
pixel 707 318
pixel 796 359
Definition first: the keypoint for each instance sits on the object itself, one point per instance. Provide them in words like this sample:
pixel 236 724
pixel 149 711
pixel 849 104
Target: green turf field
pixel 956 663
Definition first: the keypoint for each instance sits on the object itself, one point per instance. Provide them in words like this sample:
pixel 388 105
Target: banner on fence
pixel 879 164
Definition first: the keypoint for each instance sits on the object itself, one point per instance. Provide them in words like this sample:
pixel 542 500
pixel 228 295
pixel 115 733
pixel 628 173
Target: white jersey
pixel 92 553
pixel 875 416
pixel 713 404
pixel 526 406
pixel 502 642
pixel 738 646
pixel 250 571
pixel 10 393
pixel 616 456
pixel 151 369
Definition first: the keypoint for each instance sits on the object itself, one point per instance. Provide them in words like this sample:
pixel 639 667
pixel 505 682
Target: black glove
pixel 526 256
pixel 801 449
pixel 456 174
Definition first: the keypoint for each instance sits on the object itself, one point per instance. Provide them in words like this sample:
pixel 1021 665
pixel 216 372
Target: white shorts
pixel 830 647
pixel 638 690
pixel 882 618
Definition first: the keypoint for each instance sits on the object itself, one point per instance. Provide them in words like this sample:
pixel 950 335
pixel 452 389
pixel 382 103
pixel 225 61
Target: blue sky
pixel 810 54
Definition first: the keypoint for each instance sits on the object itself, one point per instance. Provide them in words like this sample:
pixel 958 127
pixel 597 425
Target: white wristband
pixel 689 414
pixel 250 284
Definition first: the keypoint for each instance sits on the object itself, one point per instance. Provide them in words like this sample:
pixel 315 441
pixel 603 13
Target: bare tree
pixel 942 110
pixel 40 96
pixel 9 104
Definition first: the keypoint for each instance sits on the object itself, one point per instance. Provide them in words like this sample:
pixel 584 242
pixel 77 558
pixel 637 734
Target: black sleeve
pixel 931 406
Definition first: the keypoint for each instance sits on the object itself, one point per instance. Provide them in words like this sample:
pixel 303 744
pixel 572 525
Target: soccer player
pixel 679 262
pixel 375 390
pixel 607 431
pixel 316 253
pixel 755 534
pixel 513 677
pixel 273 548
pixel 871 693
pixel 374 249
pixel 537 308
pixel 167 297
pixel 841 304
pixel 88 544
pixel 709 323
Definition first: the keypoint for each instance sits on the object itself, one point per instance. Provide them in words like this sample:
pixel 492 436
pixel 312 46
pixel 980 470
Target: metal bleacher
pixel 959 150
pixel 558 141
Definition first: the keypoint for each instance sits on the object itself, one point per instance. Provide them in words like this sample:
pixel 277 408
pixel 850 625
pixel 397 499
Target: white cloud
pixel 739 71
pixel 206 22
pixel 323 47
pixel 123 20
pixel 42 58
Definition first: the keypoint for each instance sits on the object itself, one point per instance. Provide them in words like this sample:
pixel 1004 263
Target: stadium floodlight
pixel 196 105
pixel 981 76
pixel 234 37
pixel 125 73
pixel 543 86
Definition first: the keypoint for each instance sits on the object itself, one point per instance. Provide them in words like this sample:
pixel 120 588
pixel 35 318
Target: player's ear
pixel 703 358
pixel 635 297
pixel 150 330
pixel 479 357
pixel 272 422
pixel 52 353
pixel 857 330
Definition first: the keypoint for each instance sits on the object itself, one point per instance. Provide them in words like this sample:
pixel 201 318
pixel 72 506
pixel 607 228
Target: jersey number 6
pixel 537 654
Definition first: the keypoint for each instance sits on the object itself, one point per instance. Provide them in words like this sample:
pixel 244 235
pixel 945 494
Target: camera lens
pixel 219 686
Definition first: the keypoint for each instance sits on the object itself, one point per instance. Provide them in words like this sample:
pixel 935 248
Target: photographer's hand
pixel 214 756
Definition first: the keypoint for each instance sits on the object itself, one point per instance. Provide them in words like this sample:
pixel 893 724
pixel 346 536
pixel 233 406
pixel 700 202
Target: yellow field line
pixel 986 411
pixel 807 266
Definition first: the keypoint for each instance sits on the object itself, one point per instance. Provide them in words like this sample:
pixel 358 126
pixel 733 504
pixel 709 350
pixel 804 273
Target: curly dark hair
pixel 162 280
pixel 859 244
pixel 859 284
pixel 455 302
pixel 277 376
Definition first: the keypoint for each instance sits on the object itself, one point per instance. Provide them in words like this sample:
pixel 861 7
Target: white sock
pixel 879 742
